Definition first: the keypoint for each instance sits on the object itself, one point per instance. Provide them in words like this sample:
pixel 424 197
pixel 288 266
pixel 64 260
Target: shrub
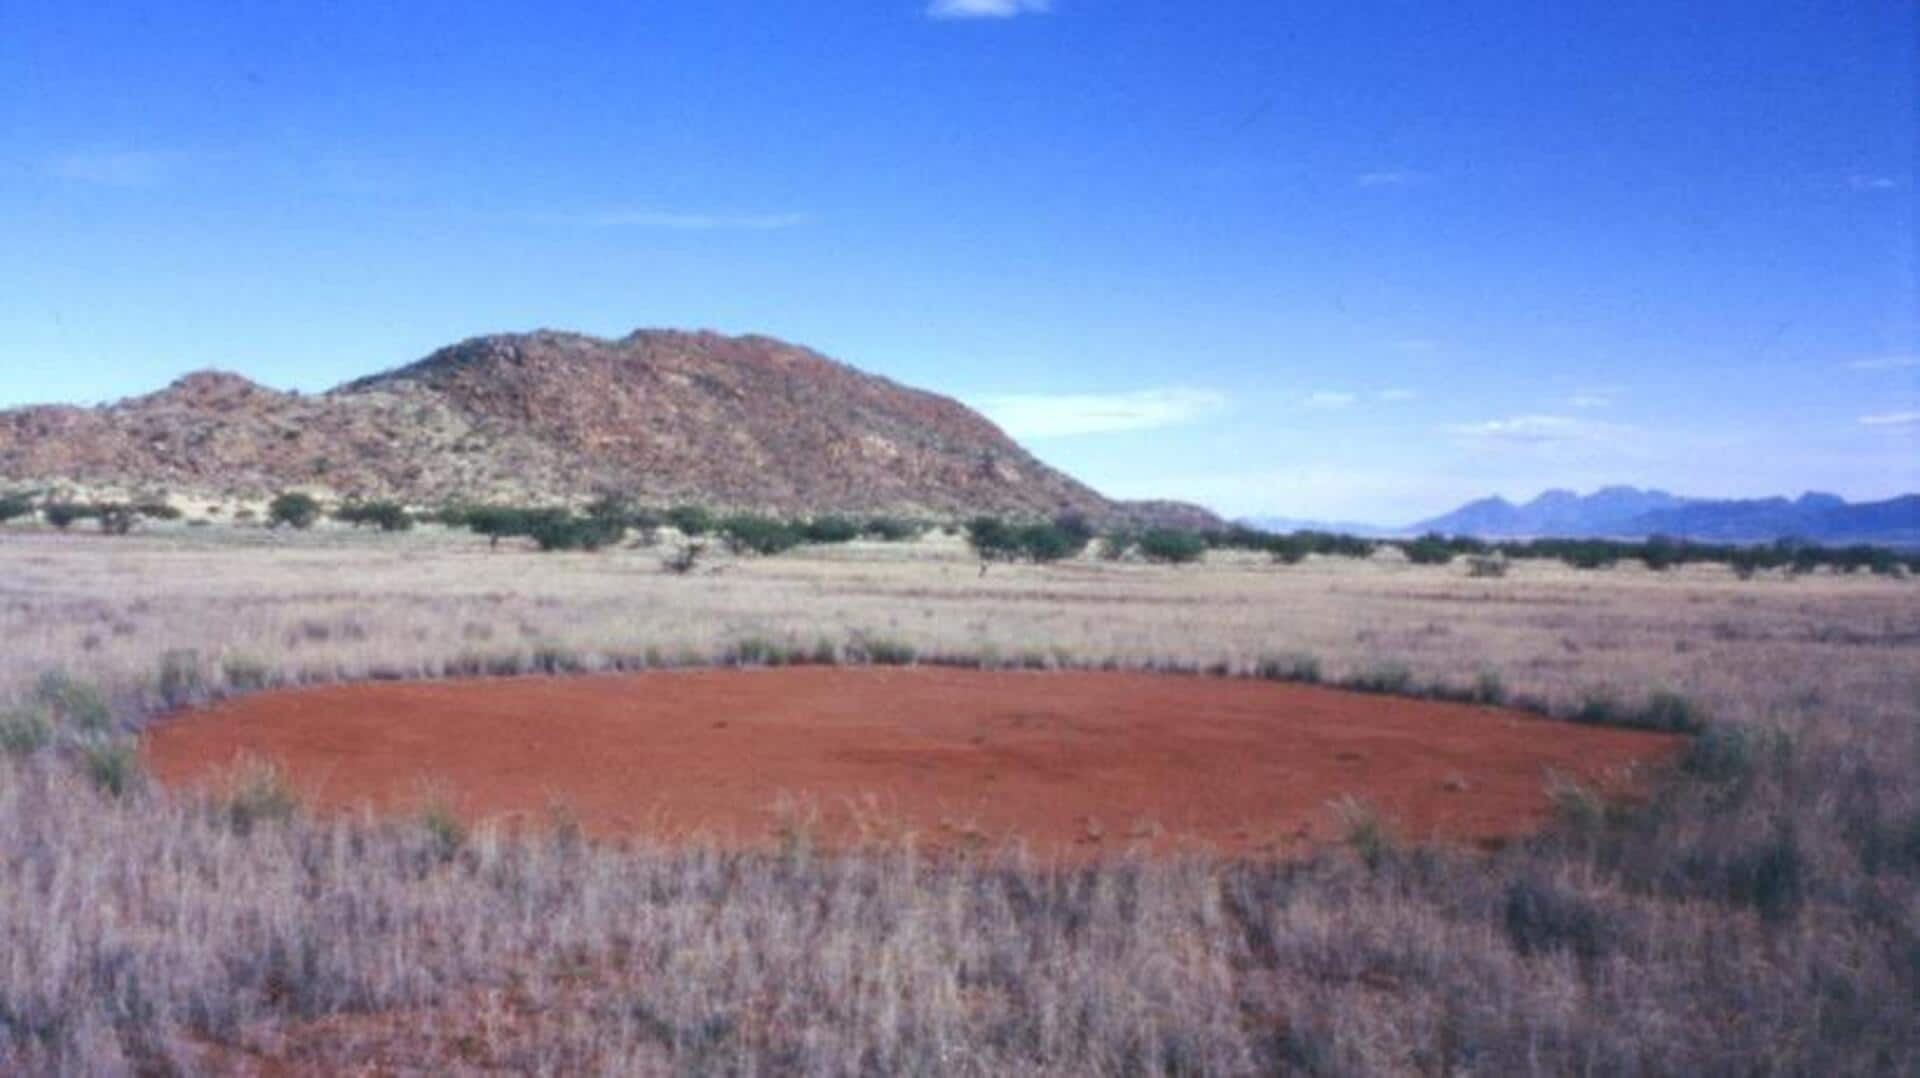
pixel 1542 917
pixel 13 506
pixel 294 510
pixel 891 529
pixel 451 516
pixel 74 702
pixel 1488 689
pixel 993 539
pixel 830 529
pixel 1770 875
pixel 1289 549
pixel 1171 546
pixel 880 651
pixel 63 515
pixel 1297 666
pixel 245 673
pixel 257 793
pixel 682 561
pixel 1724 753
pixel 750 534
pixel 1050 542
pixel 1385 677
pixel 1599 707
pixel 445 833
pixel 24 732
pixel 1429 549
pixel 1482 565
pixel 387 516
pixel 116 518
pixel 1671 712
pixel 157 509
pixel 498 522
pixel 691 519
pixel 1364 832
pixel 114 766
pixel 1114 546
pixel 557 529
pixel 181 681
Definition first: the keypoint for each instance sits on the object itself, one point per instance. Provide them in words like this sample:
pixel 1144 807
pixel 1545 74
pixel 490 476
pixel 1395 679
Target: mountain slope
pixel 1610 510
pixel 738 421
pixel 1626 512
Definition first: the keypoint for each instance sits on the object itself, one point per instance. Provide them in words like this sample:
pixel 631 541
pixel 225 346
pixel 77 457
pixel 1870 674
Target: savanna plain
pixel 1743 903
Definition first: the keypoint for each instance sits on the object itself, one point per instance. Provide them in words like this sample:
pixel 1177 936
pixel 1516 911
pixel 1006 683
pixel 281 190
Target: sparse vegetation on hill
pixel 743 422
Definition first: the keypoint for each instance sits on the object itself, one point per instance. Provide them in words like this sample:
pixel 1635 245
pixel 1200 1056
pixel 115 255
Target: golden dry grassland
pixel 1757 915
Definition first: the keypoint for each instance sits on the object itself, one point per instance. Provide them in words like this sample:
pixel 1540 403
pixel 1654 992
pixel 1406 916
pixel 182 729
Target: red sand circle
pixel 1079 762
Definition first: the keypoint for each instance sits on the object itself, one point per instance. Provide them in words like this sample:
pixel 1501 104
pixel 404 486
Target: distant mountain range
pixel 1629 513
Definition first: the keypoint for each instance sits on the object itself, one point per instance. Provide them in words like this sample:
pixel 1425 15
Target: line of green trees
pixel 113 517
pixel 611 519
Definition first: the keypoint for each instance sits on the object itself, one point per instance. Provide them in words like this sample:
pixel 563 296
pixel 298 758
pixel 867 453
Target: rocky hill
pixel 747 422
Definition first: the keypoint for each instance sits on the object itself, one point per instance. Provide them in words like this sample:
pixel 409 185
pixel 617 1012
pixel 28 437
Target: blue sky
pixel 1342 260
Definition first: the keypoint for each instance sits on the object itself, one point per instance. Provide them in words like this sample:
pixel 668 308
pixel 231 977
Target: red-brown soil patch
pixel 1080 761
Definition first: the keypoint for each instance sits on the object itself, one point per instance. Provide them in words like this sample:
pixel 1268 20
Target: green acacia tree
pixel 293 509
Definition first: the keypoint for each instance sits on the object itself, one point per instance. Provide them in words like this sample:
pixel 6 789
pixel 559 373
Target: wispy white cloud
pixel 1030 415
pixel 1395 177
pixel 1891 419
pixel 986 9
pixel 1329 398
pixel 1398 393
pixel 1591 397
pixel 1535 430
pixel 1885 363
pixel 679 221
pixel 1869 181
pixel 116 167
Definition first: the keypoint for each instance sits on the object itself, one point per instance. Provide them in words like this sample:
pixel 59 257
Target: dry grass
pixel 1759 915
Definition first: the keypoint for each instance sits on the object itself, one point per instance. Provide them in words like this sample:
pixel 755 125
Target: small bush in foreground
pixel 1291 667
pixel 1390 678
pixel 181 681
pixel 114 766
pixel 1542 917
pixel 74 702
pixel 25 731
pixel 257 793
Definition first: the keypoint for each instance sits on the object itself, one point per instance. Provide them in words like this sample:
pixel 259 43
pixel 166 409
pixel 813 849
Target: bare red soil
pixel 1078 761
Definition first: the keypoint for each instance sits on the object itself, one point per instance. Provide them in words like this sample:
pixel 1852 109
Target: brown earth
pixel 740 422
pixel 1066 761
